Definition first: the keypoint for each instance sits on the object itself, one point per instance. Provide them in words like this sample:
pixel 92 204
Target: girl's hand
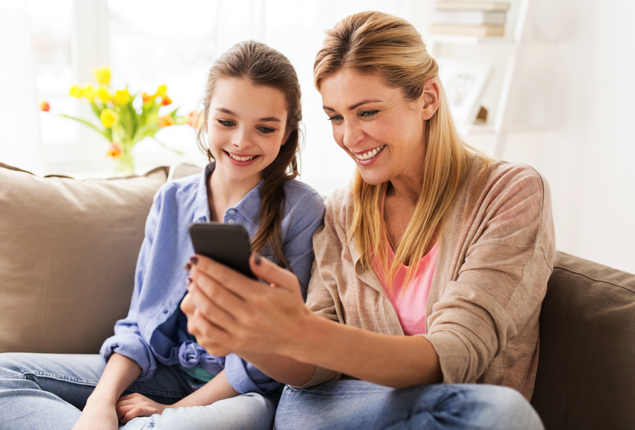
pixel 229 312
pixel 137 405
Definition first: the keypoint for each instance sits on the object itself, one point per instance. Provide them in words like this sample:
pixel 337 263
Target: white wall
pixel 588 149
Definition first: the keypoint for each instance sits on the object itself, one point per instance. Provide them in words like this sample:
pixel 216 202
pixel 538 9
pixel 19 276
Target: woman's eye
pixel 266 130
pixel 335 118
pixel 226 123
pixel 368 113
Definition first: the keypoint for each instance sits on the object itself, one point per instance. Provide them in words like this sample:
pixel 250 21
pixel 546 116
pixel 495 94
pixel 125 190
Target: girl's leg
pixel 48 391
pixel 248 411
pixel 352 404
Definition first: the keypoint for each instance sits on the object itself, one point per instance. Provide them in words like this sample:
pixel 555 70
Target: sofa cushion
pixel 68 251
pixel 586 371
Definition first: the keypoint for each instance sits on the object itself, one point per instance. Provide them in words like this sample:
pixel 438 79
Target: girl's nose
pixel 241 139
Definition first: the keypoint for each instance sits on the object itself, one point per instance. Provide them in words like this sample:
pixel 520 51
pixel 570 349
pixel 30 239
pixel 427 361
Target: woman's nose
pixel 352 136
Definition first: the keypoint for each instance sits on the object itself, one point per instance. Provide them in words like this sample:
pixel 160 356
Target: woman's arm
pixel 250 318
pixel 99 412
pixel 138 405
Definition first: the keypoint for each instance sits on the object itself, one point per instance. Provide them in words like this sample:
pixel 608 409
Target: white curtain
pixel 20 144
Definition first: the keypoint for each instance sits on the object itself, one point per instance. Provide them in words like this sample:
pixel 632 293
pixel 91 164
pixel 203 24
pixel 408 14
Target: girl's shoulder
pixel 302 198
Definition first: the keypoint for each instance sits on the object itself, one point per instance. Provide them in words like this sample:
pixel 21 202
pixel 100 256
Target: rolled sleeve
pixel 501 284
pixel 135 348
pixel 244 377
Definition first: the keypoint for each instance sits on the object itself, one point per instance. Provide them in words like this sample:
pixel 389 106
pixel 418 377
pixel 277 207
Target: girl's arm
pixel 227 310
pixel 138 405
pixel 99 412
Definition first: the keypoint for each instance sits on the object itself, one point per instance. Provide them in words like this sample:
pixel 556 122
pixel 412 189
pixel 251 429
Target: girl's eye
pixel 266 130
pixel 335 118
pixel 226 123
pixel 368 113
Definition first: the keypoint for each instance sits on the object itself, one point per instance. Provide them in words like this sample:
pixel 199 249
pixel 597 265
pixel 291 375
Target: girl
pixel 431 266
pixel 251 115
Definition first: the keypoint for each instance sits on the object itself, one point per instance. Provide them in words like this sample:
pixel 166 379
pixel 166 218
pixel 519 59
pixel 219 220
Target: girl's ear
pixel 286 137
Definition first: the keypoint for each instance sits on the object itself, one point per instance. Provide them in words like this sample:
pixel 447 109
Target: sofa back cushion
pixel 68 251
pixel 586 371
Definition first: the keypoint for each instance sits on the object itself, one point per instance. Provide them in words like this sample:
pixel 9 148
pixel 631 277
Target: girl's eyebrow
pixel 356 105
pixel 265 119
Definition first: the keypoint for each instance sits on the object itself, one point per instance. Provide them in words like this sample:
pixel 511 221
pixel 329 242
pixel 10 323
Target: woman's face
pixel 376 126
pixel 246 128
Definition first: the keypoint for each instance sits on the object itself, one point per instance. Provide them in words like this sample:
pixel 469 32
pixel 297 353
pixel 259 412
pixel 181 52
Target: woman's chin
pixel 373 177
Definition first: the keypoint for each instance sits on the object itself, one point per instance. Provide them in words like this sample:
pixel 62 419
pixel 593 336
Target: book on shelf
pixel 472 5
pixel 468 17
pixel 468 30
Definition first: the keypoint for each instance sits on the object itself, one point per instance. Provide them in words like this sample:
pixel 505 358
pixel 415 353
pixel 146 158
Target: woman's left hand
pixel 137 405
pixel 229 312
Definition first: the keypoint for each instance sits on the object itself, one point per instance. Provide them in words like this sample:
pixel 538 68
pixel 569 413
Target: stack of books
pixel 468 18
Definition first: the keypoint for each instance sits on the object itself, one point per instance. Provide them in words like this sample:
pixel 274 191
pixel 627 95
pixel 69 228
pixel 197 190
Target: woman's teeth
pixel 370 154
pixel 237 158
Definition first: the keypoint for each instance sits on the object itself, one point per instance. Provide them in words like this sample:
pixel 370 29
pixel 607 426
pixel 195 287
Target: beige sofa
pixel 68 251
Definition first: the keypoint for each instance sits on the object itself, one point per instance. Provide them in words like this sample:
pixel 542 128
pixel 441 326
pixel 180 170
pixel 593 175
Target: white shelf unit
pixel 501 124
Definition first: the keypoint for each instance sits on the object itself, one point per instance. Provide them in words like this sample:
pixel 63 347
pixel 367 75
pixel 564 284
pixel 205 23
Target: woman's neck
pixel 223 192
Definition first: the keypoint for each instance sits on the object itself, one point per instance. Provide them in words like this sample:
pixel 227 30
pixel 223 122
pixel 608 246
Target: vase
pixel 124 165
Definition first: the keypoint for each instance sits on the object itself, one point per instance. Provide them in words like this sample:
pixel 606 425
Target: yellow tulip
pixel 108 117
pixel 102 75
pixel 88 92
pixel 162 90
pixel 122 97
pixel 75 92
pixel 103 94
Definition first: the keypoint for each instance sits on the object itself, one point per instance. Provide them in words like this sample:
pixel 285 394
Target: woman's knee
pixel 505 408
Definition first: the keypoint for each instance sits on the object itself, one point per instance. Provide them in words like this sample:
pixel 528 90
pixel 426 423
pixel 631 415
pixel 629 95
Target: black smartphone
pixel 226 243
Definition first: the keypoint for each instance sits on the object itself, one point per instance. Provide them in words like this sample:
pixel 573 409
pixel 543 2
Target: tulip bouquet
pixel 124 118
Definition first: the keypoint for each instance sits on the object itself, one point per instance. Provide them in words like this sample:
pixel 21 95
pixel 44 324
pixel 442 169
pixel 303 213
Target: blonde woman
pixel 429 270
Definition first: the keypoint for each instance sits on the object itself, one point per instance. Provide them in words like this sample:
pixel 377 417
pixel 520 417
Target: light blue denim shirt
pixel 154 330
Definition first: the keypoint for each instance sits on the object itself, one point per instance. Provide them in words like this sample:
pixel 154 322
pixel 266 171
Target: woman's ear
pixel 430 96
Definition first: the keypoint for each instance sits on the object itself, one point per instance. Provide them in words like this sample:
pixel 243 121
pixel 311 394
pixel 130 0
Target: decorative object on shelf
pixel 124 118
pixel 464 83
pixel 466 18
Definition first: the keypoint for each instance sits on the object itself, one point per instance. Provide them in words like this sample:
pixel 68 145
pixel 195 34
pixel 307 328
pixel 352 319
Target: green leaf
pixel 104 133
pixel 167 147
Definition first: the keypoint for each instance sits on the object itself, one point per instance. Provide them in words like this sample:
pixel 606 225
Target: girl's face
pixel 246 128
pixel 377 127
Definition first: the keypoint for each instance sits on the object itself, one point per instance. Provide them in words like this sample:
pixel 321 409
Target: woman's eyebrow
pixel 356 105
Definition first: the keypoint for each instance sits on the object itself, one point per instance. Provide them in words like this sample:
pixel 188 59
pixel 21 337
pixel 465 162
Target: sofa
pixel 68 251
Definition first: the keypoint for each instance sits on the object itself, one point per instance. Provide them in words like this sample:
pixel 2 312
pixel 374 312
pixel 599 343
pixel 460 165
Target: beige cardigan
pixel 490 278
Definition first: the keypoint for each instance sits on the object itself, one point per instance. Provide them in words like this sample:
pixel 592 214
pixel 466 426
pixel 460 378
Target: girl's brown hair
pixel 262 65
pixel 390 47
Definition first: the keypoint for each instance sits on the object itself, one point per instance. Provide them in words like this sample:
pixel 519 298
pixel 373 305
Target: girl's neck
pixel 223 192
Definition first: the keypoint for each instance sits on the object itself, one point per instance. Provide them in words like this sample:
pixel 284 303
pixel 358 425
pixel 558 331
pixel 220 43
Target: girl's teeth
pixel 235 157
pixel 370 154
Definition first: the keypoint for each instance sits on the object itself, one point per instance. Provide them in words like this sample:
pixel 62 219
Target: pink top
pixel 411 305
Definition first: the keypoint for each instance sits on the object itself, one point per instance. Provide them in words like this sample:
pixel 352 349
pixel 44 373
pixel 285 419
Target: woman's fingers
pixel 273 274
pixel 216 292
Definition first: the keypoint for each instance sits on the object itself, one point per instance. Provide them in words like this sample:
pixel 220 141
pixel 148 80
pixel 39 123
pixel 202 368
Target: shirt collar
pixel 248 206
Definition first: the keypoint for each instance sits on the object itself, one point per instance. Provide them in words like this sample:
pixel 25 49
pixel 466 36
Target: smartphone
pixel 226 243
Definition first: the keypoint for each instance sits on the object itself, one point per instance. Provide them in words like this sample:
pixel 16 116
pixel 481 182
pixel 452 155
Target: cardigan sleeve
pixel 502 280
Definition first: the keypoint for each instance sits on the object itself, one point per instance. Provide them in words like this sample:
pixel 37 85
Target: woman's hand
pixel 137 405
pixel 228 312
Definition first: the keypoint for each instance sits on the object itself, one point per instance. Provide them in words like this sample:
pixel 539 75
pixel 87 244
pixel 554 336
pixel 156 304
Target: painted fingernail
pixel 257 259
pixel 188 266
pixel 194 260
pixel 188 281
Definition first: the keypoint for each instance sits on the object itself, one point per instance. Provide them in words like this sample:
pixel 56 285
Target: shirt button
pixel 232 212
pixel 230 221
pixel 165 311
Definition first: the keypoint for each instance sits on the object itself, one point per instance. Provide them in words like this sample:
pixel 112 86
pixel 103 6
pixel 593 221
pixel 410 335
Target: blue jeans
pixel 48 391
pixel 352 404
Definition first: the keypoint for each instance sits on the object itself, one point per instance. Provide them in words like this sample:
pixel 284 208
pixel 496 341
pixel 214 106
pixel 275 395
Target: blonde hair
pixel 388 46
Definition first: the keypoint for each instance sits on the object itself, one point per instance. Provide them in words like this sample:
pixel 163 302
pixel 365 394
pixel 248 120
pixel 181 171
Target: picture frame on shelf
pixel 465 83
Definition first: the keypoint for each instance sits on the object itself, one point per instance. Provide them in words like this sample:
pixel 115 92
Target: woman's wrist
pixel 307 338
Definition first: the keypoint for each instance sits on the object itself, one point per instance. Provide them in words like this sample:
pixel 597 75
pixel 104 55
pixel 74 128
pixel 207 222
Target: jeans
pixel 353 404
pixel 48 391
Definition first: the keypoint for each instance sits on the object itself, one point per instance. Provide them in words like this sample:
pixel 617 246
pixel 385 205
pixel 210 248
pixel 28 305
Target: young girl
pixel 251 114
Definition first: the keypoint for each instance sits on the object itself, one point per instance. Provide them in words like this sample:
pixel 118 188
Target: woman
pixel 431 266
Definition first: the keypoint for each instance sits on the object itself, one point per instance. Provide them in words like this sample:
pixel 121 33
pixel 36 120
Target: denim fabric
pixel 47 391
pixel 153 332
pixel 352 404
